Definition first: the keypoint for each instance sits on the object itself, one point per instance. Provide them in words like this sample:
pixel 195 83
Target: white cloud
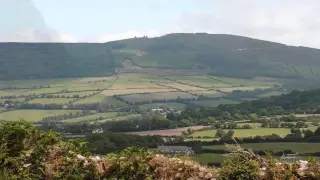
pixel 293 22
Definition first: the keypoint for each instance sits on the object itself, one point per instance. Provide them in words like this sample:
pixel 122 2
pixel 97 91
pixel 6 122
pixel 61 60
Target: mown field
pixel 129 87
pixel 32 115
pixel 214 103
pixel 100 116
pixel 245 132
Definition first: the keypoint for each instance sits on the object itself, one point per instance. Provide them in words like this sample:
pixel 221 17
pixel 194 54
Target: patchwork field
pixel 183 87
pixel 32 115
pixel 245 132
pixel 157 96
pixel 173 105
pixel 168 132
pixel 214 103
pixel 276 147
pixel 92 117
pixel 200 81
pixel 208 93
pixel 45 101
pixel 99 98
pixel 135 91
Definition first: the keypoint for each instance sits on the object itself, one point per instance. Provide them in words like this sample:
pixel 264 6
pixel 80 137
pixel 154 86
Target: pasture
pixel 32 115
pixel 298 147
pixel 113 92
pixel 45 101
pixel 200 81
pixel 214 103
pixel 168 132
pixel 92 117
pixel 172 105
pixel 208 93
pixel 99 98
pixel 157 96
pixel 245 132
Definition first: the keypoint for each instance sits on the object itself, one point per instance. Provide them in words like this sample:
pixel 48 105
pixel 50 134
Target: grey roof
pixel 174 148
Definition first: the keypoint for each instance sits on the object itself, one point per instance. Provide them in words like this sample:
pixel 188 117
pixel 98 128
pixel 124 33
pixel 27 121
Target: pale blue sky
pixel 291 22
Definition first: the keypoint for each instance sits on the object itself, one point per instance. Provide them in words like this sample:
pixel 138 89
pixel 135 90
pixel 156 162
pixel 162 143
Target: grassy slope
pixel 31 115
pixel 246 132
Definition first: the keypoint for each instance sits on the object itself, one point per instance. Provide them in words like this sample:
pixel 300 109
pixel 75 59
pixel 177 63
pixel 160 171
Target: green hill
pixel 54 60
pixel 225 55
pixel 218 54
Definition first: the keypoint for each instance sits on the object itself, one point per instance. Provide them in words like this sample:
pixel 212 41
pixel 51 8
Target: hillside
pixel 218 54
pixel 27 153
pixel 54 60
pixel 225 55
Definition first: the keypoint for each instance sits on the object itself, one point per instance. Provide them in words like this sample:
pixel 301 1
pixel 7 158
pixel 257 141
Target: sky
pixel 292 22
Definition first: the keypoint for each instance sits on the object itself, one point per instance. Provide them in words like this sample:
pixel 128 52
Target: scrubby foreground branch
pixel 27 153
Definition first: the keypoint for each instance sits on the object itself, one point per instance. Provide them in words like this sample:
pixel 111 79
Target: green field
pixel 214 103
pixel 32 115
pixel 201 81
pixel 80 94
pixel 245 132
pixel 99 98
pixel 157 96
pixel 168 105
pixel 210 93
pixel 45 101
pixel 206 158
pixel 275 147
pixel 92 117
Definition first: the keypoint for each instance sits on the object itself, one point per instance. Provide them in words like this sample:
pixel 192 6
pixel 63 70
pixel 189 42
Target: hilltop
pixel 218 54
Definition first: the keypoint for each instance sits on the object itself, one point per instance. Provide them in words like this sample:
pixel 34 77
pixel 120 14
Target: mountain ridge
pixel 220 54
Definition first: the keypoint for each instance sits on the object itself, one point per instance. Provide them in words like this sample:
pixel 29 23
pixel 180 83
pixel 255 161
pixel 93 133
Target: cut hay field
pixel 32 115
pixel 208 93
pixel 214 103
pixel 157 96
pixel 248 88
pixel 135 91
pixel 45 101
pixel 92 117
pixel 183 87
pixel 168 132
pixel 245 132
pixel 201 81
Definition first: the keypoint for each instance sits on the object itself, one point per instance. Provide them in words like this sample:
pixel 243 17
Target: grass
pixel 214 103
pixel 275 147
pixel 99 98
pixel 201 81
pixel 81 94
pixel 51 101
pixel 254 125
pixel 92 117
pixel 247 88
pixel 247 82
pixel 32 115
pixel 206 158
pixel 169 105
pixel 209 93
pixel 135 91
pixel 246 132
pixel 157 96
pixel 183 87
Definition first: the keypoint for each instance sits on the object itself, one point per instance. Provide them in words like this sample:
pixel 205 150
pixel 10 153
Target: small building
pixel 96 131
pixel 172 150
